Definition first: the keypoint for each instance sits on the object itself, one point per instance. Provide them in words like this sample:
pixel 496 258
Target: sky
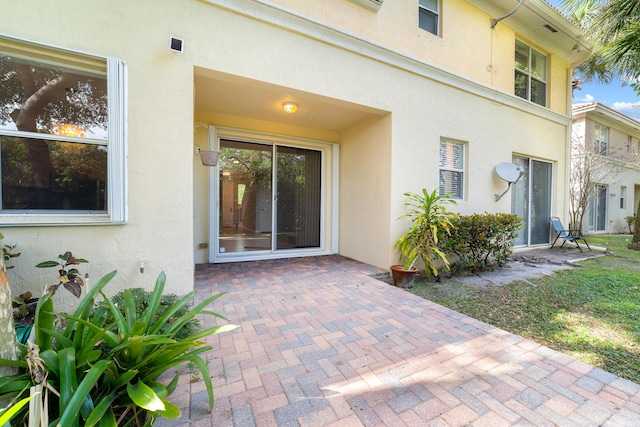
pixel 620 98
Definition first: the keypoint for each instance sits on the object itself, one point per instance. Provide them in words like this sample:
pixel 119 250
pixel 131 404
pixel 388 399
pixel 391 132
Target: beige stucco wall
pixel 422 111
pixel 489 59
pixel 365 185
pixel 492 132
pixel 395 26
pixel 618 133
pixel 630 179
pixel 393 150
pixel 160 144
pixel 616 175
pixel 618 140
pixel 624 171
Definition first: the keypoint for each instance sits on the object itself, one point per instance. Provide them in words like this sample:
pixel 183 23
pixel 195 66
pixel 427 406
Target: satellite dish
pixel 510 173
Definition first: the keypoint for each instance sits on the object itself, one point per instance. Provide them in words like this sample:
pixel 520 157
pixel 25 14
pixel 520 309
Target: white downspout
pixel 568 143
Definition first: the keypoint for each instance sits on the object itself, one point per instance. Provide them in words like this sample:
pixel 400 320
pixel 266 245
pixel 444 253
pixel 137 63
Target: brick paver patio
pixel 322 343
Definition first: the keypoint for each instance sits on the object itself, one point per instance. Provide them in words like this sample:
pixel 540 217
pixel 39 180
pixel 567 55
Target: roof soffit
pixel 603 114
pixel 287 20
pixel 532 20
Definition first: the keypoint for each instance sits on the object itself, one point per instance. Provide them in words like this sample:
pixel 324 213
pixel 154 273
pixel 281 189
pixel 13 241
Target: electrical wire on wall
pixel 492 69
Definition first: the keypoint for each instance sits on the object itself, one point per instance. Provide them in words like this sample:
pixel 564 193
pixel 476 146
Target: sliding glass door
pixel 267 187
pixel 597 209
pixel 298 198
pixel 531 201
pixel 245 196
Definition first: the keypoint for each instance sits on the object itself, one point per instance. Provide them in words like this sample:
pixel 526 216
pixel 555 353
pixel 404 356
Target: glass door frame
pixel 328 205
pixel 527 222
pixel 598 209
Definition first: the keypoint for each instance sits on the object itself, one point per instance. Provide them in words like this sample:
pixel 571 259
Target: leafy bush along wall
pixel 479 241
pixel 436 236
pixel 104 362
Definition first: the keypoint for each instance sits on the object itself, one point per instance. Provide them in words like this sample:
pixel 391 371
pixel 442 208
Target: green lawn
pixel 591 313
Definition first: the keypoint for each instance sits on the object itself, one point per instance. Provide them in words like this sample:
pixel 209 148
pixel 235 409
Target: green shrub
pixel 631 220
pixel 8 252
pixel 141 300
pixel 480 241
pixel 107 376
pixel 69 276
pixel 24 305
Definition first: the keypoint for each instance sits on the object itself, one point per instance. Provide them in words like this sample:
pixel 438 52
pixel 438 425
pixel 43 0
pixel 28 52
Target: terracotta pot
pixel 403 278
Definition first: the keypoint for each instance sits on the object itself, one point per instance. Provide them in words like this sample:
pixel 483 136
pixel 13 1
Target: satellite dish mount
pixel 510 173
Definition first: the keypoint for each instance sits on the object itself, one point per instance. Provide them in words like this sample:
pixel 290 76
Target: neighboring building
pixel 615 140
pixel 391 97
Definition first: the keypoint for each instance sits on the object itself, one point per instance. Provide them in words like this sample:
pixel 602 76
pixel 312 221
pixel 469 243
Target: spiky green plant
pixel 106 377
pixel 429 217
pixel 142 299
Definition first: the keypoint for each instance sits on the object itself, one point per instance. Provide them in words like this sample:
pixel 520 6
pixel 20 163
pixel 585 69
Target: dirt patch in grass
pixel 521 266
pixel 589 308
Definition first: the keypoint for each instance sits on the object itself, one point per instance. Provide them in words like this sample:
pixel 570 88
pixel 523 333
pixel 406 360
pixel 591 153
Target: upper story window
pixel 62 137
pixel 451 169
pixel 601 140
pixel 429 16
pixel 629 139
pixel 530 74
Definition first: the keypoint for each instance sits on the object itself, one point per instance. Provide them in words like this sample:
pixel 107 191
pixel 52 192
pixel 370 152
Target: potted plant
pixel 429 217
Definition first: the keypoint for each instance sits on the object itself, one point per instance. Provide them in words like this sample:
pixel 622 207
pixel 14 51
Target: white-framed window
pixel 623 197
pixel 629 141
pixel 601 140
pixel 530 74
pixel 452 160
pixel 429 16
pixel 62 136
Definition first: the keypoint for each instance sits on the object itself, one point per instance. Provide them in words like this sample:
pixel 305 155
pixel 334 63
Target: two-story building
pixel 606 143
pixel 324 113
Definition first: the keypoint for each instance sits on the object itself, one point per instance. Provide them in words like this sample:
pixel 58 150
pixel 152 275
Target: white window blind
pixel 429 16
pixel 451 169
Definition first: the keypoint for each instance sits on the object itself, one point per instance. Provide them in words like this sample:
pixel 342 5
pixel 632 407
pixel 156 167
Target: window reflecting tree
pixel 53 103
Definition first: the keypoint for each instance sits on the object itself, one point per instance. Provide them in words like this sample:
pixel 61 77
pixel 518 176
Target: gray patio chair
pixel 572 236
